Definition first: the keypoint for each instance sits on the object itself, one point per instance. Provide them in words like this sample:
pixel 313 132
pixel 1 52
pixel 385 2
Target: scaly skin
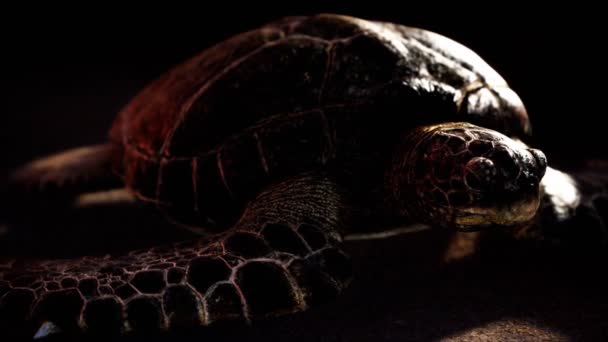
pixel 463 176
pixel 279 258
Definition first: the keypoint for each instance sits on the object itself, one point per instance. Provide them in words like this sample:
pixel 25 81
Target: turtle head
pixel 468 177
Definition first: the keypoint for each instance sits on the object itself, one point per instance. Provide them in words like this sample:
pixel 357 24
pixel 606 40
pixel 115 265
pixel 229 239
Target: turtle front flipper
pixel 574 209
pixel 58 178
pixel 279 258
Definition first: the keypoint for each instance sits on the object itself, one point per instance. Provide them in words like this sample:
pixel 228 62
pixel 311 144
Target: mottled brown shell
pixel 294 95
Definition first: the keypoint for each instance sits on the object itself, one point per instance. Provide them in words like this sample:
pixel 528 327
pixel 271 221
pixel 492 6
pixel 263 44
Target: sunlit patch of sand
pixel 508 330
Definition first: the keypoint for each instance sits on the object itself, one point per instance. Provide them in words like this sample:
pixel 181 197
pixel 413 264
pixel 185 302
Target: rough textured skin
pixel 277 259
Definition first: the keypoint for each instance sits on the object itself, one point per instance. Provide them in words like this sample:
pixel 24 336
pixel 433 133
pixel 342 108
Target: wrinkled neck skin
pixel 463 176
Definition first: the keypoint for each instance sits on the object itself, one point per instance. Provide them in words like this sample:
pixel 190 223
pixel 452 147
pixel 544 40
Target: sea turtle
pixel 272 145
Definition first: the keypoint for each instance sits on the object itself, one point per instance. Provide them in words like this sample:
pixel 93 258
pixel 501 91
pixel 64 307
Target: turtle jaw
pixel 504 215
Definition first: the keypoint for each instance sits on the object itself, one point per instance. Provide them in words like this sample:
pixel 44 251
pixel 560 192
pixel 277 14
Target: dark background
pixel 67 71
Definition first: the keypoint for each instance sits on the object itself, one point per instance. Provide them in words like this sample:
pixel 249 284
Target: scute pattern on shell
pixel 236 90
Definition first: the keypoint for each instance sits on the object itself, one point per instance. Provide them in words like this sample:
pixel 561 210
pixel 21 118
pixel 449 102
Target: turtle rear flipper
pixel 55 180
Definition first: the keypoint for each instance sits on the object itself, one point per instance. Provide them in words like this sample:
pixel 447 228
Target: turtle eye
pixel 472 181
pixel 479 173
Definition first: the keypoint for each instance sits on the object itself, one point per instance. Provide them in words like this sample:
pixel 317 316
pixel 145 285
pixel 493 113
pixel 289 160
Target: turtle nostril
pixel 529 182
pixel 541 161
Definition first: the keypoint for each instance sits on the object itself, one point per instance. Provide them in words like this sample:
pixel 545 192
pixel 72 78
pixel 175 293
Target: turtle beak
pixel 514 195
pixel 506 215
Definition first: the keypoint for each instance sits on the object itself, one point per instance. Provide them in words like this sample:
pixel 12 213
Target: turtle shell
pixel 292 95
